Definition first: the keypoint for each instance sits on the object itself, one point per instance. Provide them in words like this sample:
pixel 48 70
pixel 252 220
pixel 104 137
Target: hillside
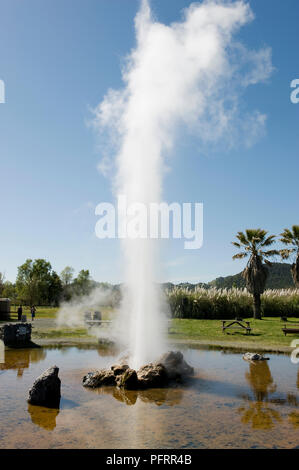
pixel 279 278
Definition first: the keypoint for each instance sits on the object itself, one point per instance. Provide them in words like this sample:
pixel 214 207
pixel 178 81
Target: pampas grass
pixel 230 303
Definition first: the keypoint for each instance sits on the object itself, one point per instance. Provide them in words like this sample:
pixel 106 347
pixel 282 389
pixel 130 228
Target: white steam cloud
pixel 73 312
pixel 189 73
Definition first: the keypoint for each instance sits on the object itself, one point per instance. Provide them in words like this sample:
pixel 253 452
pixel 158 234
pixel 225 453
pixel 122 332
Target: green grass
pixel 41 312
pixel 266 332
pixel 61 333
pixel 51 312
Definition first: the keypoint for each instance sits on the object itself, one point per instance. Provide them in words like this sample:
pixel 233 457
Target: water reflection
pixel 43 417
pixel 20 359
pixel 108 350
pixel 158 396
pixel 294 416
pixel 258 410
pixel 294 419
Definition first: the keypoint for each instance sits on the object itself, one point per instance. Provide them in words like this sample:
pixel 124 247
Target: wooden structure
pixel 236 325
pixel 4 309
pixel 98 322
pixel 288 330
pixel 16 334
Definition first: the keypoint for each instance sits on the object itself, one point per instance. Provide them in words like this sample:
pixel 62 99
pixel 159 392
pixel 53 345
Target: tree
pixel 26 283
pixel 83 283
pixel 9 291
pixel 252 243
pixel 37 283
pixel 291 239
pixel 55 289
pixel 67 275
pixel 2 282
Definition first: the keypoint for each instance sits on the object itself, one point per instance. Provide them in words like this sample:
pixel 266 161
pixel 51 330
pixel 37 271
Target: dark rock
pixel 119 369
pixel 99 378
pixel 128 380
pixel 46 389
pixel 175 365
pixel 16 334
pixel 152 376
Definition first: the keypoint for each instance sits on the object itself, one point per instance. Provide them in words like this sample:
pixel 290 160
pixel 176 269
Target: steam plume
pixel 189 73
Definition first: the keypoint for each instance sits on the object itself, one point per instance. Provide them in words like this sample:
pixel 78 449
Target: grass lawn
pixel 41 312
pixel 60 333
pixel 51 312
pixel 264 332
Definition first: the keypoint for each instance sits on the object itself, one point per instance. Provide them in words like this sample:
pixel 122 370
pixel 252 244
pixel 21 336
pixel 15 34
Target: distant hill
pixel 280 277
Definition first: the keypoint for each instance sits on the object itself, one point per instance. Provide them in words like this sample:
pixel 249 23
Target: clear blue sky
pixel 57 59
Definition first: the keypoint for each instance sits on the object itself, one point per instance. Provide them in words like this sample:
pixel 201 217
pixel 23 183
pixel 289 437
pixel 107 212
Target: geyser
pixel 187 73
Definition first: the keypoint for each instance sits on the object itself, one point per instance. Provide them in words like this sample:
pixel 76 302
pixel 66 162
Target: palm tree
pixel 291 238
pixel 252 243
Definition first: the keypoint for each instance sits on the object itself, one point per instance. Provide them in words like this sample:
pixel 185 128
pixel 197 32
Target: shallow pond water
pixel 229 404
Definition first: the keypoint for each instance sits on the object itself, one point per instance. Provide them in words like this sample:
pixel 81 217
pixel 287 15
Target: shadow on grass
pixel 242 335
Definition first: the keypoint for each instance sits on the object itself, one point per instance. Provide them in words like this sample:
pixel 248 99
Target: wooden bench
pixel 236 325
pixel 289 330
pixel 98 322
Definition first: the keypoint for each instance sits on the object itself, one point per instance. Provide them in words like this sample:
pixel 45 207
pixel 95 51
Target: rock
pixel 119 369
pixel 170 367
pixel 128 380
pixel 16 334
pixel 152 376
pixel 46 389
pixel 254 357
pixel 99 378
pixel 175 365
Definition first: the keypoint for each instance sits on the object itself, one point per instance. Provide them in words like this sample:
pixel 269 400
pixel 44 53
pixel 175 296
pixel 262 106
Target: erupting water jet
pixel 182 74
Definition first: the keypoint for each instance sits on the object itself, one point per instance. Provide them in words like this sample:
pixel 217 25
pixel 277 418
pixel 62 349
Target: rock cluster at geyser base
pixel 170 368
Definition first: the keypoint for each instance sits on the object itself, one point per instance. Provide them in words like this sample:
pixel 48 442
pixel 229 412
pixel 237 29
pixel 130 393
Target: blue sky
pixel 57 59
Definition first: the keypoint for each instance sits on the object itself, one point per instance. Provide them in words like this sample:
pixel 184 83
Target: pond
pixel 230 403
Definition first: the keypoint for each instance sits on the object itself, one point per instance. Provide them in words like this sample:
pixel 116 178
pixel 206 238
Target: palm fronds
pixel 291 238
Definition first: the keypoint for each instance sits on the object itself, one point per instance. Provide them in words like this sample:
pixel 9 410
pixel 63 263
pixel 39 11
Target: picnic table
pixel 236 325
pixel 98 322
pixel 287 328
